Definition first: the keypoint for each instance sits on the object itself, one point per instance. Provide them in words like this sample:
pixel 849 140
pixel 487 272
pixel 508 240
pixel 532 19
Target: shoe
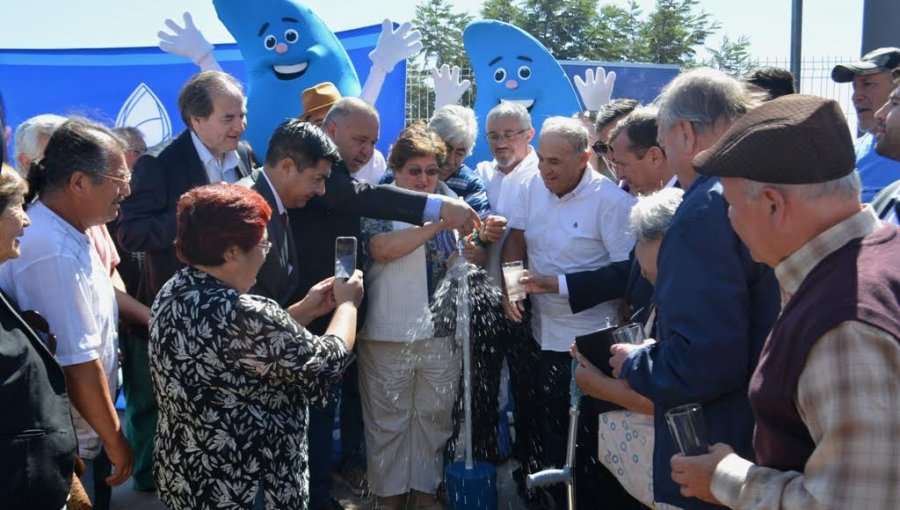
pixel 353 479
pixel 331 504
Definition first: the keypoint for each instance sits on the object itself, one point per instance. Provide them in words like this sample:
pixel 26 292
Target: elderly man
pixel 714 304
pixel 508 132
pixel 568 218
pixel 871 78
pixel 317 101
pixel 826 389
pixel 213 108
pixel 353 125
pixel 31 139
pixel 60 275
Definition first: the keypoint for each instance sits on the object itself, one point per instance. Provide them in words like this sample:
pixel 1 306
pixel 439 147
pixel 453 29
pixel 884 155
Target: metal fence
pixel 815 78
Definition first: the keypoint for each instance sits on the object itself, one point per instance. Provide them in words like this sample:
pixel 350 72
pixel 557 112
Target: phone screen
pixel 344 257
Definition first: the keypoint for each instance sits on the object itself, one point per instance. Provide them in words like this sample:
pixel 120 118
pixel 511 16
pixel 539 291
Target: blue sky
pixel 832 27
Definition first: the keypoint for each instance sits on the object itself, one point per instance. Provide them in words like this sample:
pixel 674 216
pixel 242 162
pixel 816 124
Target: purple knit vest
pixel 860 281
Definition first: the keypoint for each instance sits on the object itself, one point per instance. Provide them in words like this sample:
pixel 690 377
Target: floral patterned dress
pixel 233 376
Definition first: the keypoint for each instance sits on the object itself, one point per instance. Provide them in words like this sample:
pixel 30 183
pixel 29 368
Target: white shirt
pixel 278 202
pixel 586 229
pixel 60 275
pixel 373 170
pixel 217 171
pixel 503 190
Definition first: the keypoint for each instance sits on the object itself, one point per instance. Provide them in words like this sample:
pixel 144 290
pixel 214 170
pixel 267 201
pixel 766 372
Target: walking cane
pixel 565 475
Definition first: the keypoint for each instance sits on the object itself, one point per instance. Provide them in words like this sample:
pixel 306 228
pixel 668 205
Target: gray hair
pixel 704 97
pixel 28 133
pixel 347 106
pixel 511 110
pixel 455 125
pixel 572 130
pixel 847 187
pixel 653 213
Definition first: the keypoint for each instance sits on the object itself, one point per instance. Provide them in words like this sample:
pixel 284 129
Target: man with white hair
pixel 825 393
pixel 567 218
pixel 715 305
pixel 31 139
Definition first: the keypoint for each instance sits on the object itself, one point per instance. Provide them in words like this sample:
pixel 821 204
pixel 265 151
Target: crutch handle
pixel 548 477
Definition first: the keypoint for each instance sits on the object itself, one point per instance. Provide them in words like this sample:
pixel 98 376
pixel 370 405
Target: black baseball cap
pixel 876 61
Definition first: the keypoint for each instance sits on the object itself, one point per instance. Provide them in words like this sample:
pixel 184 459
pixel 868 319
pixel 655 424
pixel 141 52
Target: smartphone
pixel 344 257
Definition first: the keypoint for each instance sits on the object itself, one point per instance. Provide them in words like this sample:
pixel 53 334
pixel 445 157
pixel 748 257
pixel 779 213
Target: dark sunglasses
pixel 600 148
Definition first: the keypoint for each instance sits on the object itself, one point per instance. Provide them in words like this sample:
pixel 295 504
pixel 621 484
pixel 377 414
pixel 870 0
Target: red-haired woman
pixel 232 372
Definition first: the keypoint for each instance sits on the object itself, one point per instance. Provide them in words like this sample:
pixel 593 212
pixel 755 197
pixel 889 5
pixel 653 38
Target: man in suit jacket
pixel 353 125
pixel 212 105
pixel 298 163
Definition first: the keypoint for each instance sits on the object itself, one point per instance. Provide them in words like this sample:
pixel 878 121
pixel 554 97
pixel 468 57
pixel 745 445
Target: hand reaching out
pixel 188 42
pixel 395 45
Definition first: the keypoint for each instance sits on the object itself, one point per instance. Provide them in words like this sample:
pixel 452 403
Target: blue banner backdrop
pixel 139 86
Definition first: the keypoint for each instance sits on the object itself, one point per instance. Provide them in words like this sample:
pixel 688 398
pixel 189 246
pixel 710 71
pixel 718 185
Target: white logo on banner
pixel 146 112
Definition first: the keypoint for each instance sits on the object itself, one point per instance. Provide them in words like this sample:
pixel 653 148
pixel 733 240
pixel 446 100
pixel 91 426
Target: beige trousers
pixel 408 390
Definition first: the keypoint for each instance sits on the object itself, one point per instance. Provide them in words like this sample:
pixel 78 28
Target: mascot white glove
pixel 395 45
pixel 448 89
pixel 188 42
pixel 596 89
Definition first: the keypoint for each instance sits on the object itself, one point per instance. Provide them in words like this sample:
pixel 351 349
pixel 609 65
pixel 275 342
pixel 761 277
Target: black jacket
pixel 337 213
pixel 37 438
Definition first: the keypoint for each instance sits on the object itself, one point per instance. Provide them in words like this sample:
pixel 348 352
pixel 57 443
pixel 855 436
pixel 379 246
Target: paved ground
pixel 126 499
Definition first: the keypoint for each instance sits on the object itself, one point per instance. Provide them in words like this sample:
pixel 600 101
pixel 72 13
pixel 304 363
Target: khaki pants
pixel 408 390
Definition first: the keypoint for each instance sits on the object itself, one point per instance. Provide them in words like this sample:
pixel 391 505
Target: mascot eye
pixel 524 72
pixel 500 75
pixel 269 42
pixel 291 35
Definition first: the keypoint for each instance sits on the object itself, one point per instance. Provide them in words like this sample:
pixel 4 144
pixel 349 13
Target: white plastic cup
pixel 512 273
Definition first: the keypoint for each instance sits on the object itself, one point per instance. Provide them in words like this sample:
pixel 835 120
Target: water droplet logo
pixel 145 111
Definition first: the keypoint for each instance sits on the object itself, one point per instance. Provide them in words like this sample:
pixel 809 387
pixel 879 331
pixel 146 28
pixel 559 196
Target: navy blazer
pixel 147 219
pixel 337 213
pixel 278 278
pixel 715 308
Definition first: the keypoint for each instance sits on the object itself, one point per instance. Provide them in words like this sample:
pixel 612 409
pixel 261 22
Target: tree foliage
pixel 671 33
pixel 733 57
pixel 441 33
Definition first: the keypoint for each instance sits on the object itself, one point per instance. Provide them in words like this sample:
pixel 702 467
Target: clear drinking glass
pixel 630 334
pixel 688 429
pixel 512 273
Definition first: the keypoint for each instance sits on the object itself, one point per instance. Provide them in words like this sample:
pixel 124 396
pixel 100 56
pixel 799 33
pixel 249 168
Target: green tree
pixel 441 33
pixel 674 30
pixel 733 57
pixel 565 27
pixel 617 34
pixel 501 10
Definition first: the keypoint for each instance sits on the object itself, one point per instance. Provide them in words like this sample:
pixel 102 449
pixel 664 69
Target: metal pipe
pixel 796 37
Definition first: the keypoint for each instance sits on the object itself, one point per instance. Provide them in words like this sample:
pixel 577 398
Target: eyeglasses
pixel 266 247
pixel 507 136
pixel 123 179
pixel 600 148
pixel 416 171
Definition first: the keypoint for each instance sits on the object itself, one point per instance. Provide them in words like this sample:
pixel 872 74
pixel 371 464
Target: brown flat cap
pixel 794 139
pixel 318 97
pixel 875 61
